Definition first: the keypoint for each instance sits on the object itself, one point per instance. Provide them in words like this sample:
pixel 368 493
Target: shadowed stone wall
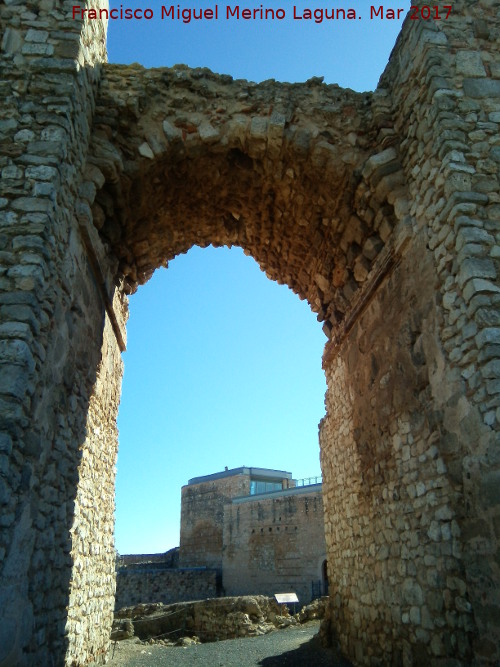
pixel 381 209
pixel 412 408
pixel 59 363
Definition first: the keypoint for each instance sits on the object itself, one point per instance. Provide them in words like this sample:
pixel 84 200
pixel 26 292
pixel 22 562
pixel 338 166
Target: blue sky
pixel 223 366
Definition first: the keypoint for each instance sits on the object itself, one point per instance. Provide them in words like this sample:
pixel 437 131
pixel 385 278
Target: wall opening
pixel 223 368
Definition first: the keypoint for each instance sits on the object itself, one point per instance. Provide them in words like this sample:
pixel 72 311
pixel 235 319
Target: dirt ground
pixel 295 646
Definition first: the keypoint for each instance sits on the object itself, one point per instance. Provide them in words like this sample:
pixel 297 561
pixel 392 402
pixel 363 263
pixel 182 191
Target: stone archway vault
pixel 378 208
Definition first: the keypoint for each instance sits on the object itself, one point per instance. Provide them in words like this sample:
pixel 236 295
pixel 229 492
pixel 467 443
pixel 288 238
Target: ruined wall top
pixel 295 174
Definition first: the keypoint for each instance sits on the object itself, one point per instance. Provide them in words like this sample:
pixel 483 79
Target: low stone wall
pixel 208 620
pixel 154 584
pixel 168 559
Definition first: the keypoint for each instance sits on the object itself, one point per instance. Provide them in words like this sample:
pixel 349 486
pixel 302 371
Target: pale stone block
pixel 145 150
pixel 482 88
pixel 469 63
pixel 208 133
pixel 171 132
pixel 476 268
pixel 477 286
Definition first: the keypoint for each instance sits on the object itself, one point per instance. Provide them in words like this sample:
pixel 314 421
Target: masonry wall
pixel 394 550
pixel 410 441
pixel 455 199
pixel 57 472
pixel 142 585
pixel 168 559
pixel 202 519
pixel 274 545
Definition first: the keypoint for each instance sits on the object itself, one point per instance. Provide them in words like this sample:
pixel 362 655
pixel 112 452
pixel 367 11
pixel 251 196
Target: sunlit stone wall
pixel 275 544
pixel 380 209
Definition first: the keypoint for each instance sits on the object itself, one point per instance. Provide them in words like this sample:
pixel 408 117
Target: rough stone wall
pixel 455 202
pixel 51 329
pixel 210 620
pixel 274 545
pixel 397 585
pixel 143 585
pixel 168 143
pixel 202 519
pixel 411 430
pixel 381 209
pixel 92 531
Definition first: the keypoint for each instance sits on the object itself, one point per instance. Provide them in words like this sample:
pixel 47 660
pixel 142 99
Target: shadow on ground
pixel 309 653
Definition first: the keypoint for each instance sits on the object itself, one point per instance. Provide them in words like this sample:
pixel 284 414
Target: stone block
pixel 37 49
pixel 492 388
pixel 29 204
pixel 380 159
pixel 491 369
pixel 469 64
pixel 479 286
pixel 145 150
pixel 36 35
pixel 412 593
pixel 482 88
pixel 476 268
pixel 489 489
pixel 171 132
pixel 12 41
pixel 208 133
pixel 258 127
pixel 488 336
pixel 8 125
pixel 42 173
pixel 58 65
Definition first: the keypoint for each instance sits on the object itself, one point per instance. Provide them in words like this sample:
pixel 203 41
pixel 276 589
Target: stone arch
pixel 276 169
pixel 404 274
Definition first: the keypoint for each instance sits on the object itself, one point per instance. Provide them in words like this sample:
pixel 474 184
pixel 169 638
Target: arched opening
pixel 205 161
pixel 223 368
pixel 409 444
pixel 309 205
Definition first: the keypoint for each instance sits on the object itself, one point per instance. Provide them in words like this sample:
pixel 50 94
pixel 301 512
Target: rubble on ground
pixel 187 623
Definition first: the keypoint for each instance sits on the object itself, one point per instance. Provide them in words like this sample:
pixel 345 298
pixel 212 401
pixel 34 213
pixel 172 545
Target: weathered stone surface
pixel 409 443
pixel 275 544
pixel 236 543
pixel 139 585
pixel 210 620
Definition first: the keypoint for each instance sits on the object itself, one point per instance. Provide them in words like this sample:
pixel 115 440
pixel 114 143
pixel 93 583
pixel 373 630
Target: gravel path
pixel 294 647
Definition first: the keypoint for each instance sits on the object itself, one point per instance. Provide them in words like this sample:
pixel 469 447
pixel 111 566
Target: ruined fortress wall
pixel 456 199
pixel 58 398
pixel 274 545
pixel 409 445
pixel 141 585
pixel 202 519
pixel 410 440
pixel 394 550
